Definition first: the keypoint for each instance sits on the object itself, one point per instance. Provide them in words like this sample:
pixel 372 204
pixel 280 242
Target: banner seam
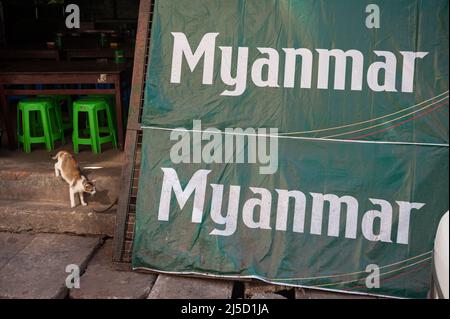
pixel 293 137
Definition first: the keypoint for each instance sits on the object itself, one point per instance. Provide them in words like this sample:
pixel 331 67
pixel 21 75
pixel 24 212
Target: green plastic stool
pixel 58 100
pixel 92 107
pixel 102 118
pixel 49 131
pixel 103 121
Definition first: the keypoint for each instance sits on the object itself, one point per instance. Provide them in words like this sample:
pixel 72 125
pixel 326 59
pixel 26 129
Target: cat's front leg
pixel 82 199
pixel 72 197
pixel 57 173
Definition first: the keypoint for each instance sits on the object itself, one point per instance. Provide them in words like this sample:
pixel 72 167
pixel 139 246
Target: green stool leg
pixel 55 120
pixel 52 122
pixel 70 109
pixel 112 128
pixel 26 131
pixel 95 135
pixel 45 116
pixel 34 122
pixel 19 132
pixel 59 124
pixel 75 134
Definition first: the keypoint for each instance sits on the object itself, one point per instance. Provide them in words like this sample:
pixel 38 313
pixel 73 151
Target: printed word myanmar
pixel 381 75
pixel 376 224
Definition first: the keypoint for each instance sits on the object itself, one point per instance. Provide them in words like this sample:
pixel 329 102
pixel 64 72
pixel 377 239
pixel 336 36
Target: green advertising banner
pixel 299 142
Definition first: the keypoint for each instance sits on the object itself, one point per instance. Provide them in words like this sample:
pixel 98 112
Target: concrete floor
pixel 34 266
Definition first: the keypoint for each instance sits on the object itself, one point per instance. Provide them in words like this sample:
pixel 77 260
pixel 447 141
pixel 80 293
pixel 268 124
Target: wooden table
pixel 58 73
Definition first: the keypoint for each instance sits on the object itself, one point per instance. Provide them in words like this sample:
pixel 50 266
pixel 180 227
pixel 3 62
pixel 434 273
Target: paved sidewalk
pixel 34 267
pixel 102 281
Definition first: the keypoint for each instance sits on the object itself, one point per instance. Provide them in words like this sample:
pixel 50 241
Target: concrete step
pixel 31 177
pixel 102 281
pixel 262 290
pixel 53 217
pixel 267 296
pixel 35 267
pixel 32 185
pixel 175 287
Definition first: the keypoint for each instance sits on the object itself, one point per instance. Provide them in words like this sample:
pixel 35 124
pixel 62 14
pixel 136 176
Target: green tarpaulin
pixel 342 174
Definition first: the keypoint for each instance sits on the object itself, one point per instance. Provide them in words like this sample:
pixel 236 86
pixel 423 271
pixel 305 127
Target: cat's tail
pixel 57 156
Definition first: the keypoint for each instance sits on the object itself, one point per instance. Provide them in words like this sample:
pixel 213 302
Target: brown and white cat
pixel 68 168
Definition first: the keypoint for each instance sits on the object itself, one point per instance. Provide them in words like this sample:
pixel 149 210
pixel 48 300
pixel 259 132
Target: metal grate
pixel 131 212
pixel 147 53
pixel 126 214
